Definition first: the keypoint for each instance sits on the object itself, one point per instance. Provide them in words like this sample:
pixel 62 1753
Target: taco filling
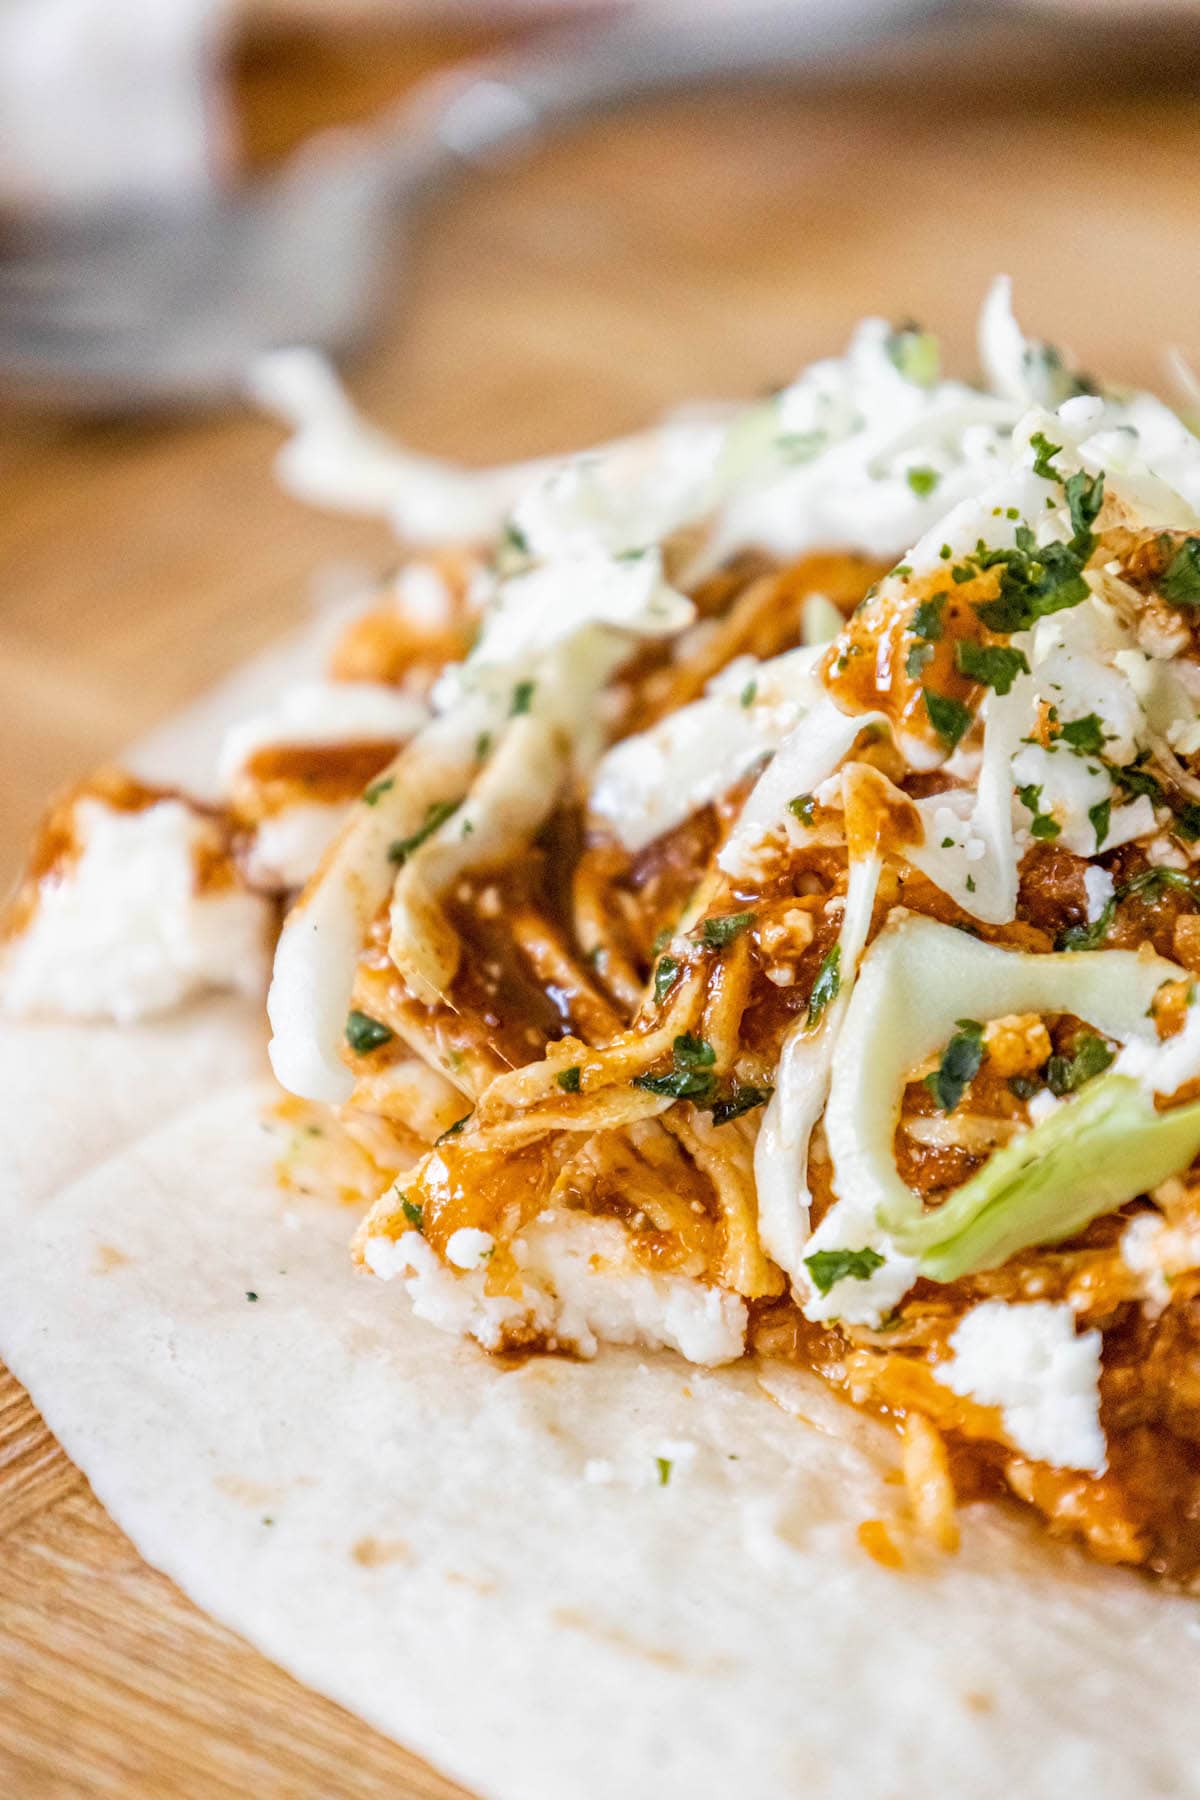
pixel 740 894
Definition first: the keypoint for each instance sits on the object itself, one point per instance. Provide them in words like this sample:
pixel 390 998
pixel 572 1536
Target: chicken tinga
pixel 703 930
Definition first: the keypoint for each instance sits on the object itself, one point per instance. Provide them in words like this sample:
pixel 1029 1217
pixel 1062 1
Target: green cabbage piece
pixel 1093 1153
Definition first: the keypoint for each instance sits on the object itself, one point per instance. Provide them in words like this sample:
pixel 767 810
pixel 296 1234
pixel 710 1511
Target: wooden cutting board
pixel 706 246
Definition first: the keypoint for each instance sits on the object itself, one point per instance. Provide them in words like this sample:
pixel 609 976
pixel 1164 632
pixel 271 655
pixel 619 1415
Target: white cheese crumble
pixel 1099 887
pixel 655 779
pixel 470 1249
pixel 125 931
pixel 1029 1361
pixel 581 1287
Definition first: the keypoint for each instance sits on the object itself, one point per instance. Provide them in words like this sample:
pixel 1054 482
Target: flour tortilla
pixel 483 1562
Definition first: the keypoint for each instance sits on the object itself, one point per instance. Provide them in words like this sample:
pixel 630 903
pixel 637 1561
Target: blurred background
pixel 596 234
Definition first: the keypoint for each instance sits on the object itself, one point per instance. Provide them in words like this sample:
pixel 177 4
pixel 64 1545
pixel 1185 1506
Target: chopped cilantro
pixel 690 1078
pixel 945 553
pixel 829 1266
pixel 1181 581
pixel 1034 581
pixel 1085 497
pixel 364 1034
pixel 1187 822
pixel 1148 886
pixel 1042 825
pixel 959 1066
pixel 522 698
pixel 826 985
pixel 1100 815
pixel 413 1213
pixel 919 656
pixel 1085 735
pixel 947 843
pixel 483 744
pixel 664 977
pixel 1045 450
pixel 927 621
pixel 748 693
pixel 453 1130
pixel 740 1100
pixel 250 1295
pixel 1089 937
pixel 568 1079
pixel 719 932
pixel 664 1466
pixel 996 665
pixel 802 806
pixel 1133 779
pixel 513 538
pixel 436 815
pixel 1024 1087
pixel 373 793
pixel 949 717
pixel 922 481
pixel 1066 1073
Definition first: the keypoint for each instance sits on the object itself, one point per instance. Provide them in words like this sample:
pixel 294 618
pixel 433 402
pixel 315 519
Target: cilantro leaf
pixel 802 806
pixel 373 793
pixel 568 1079
pixel 1042 825
pixel 1180 583
pixel 1033 582
pixel 994 664
pixel 690 1078
pixel 436 815
pixel 722 931
pixel 364 1034
pixel 959 1066
pixel 949 717
pixel 1066 1073
pixel 664 977
pixel 829 1266
pixel 922 481
pixel 740 1100
pixel 1089 937
pixel 826 985
pixel 1133 779
pixel 1044 449
pixel 522 698
pixel 1085 496
pixel 1100 815
pixel 1085 735
pixel 927 621
pixel 413 1213
pixel 919 655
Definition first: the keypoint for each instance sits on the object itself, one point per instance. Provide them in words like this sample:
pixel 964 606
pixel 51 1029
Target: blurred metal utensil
pixel 155 306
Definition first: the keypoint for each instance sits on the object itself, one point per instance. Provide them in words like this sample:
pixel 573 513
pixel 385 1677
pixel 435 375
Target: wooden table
pixel 705 246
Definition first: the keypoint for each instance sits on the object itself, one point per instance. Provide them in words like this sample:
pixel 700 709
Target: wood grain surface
pixel 707 245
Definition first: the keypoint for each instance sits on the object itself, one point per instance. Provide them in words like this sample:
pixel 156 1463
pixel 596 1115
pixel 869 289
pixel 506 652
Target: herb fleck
pixel 436 815
pixel 374 792
pixel 364 1034
pixel 721 931
pixel 826 985
pixel 949 717
pixel 961 1060
pixel 829 1266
